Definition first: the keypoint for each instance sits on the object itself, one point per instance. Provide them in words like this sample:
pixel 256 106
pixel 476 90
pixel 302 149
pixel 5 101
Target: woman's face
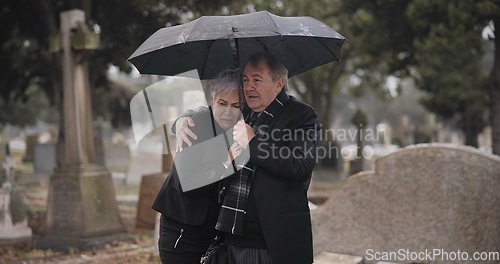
pixel 226 108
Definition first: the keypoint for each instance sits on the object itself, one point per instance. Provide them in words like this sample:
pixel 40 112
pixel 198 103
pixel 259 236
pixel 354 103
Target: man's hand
pixel 183 132
pixel 243 133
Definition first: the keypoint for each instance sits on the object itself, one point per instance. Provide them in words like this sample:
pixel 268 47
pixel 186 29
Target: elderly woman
pixel 189 215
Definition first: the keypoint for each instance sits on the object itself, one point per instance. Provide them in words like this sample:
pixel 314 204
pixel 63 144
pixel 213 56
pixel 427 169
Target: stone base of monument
pixel 68 244
pixel 14 228
pixel 15 235
pixel 82 211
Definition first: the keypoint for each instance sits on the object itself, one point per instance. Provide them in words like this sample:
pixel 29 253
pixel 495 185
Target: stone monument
pixel 422 197
pixel 82 211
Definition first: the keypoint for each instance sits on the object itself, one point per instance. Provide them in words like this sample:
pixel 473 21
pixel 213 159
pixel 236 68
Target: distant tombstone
pixel 116 155
pixel 31 141
pixel 3 154
pixel 44 158
pixel 407 131
pixel 329 155
pixel 149 188
pixel 360 121
pixel 384 134
pixel 423 197
pixel 13 217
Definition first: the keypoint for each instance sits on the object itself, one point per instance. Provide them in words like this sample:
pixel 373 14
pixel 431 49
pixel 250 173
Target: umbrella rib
pixel 326 47
pixel 206 59
pixel 152 54
pixel 274 22
pixel 262 43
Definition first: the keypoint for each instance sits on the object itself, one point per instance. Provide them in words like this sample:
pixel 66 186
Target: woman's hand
pixel 183 132
pixel 234 151
pixel 243 133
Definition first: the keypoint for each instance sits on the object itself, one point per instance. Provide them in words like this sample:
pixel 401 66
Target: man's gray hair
pixel 274 63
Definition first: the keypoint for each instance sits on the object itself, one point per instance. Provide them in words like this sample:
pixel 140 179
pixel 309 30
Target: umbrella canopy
pixel 212 44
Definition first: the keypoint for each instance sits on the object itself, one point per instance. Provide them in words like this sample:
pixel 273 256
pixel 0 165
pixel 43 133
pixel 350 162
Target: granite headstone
pixel 422 197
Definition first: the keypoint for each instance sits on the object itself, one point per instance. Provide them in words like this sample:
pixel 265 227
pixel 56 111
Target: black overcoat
pixel 284 154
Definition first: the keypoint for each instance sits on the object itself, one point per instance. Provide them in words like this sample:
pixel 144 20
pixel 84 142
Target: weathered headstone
pixel 405 132
pixel 423 197
pixel 44 158
pixel 142 164
pixel 3 154
pixel 117 155
pixel 149 188
pixel 13 218
pixel 31 141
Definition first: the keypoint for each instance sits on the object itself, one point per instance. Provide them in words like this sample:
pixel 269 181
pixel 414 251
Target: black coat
pixel 202 161
pixel 284 158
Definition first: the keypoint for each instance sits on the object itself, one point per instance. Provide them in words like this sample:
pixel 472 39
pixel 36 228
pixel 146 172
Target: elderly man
pixel 265 214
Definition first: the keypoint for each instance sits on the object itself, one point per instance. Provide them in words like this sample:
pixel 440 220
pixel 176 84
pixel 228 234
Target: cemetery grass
pixel 138 250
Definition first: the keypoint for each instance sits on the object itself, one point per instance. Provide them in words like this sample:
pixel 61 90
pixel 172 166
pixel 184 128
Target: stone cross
pixel 82 211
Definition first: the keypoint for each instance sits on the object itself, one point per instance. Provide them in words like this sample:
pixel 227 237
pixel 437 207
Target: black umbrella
pixel 212 44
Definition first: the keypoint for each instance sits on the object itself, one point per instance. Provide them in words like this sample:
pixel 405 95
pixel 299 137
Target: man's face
pixel 259 87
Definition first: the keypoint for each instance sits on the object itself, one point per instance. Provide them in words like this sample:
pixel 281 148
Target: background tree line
pixel 440 45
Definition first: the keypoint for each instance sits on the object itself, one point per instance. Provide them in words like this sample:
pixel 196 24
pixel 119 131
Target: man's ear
pixel 281 82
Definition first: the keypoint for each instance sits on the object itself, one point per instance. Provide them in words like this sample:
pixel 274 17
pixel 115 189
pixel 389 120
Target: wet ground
pixel 140 249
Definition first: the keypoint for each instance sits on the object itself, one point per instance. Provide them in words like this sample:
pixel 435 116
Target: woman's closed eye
pixel 236 105
pixel 222 102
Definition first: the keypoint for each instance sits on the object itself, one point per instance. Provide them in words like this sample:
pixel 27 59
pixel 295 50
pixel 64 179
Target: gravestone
pixel 44 158
pixel 423 197
pixel 4 148
pixel 31 141
pixel 149 189
pixel 116 155
pixel 13 217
